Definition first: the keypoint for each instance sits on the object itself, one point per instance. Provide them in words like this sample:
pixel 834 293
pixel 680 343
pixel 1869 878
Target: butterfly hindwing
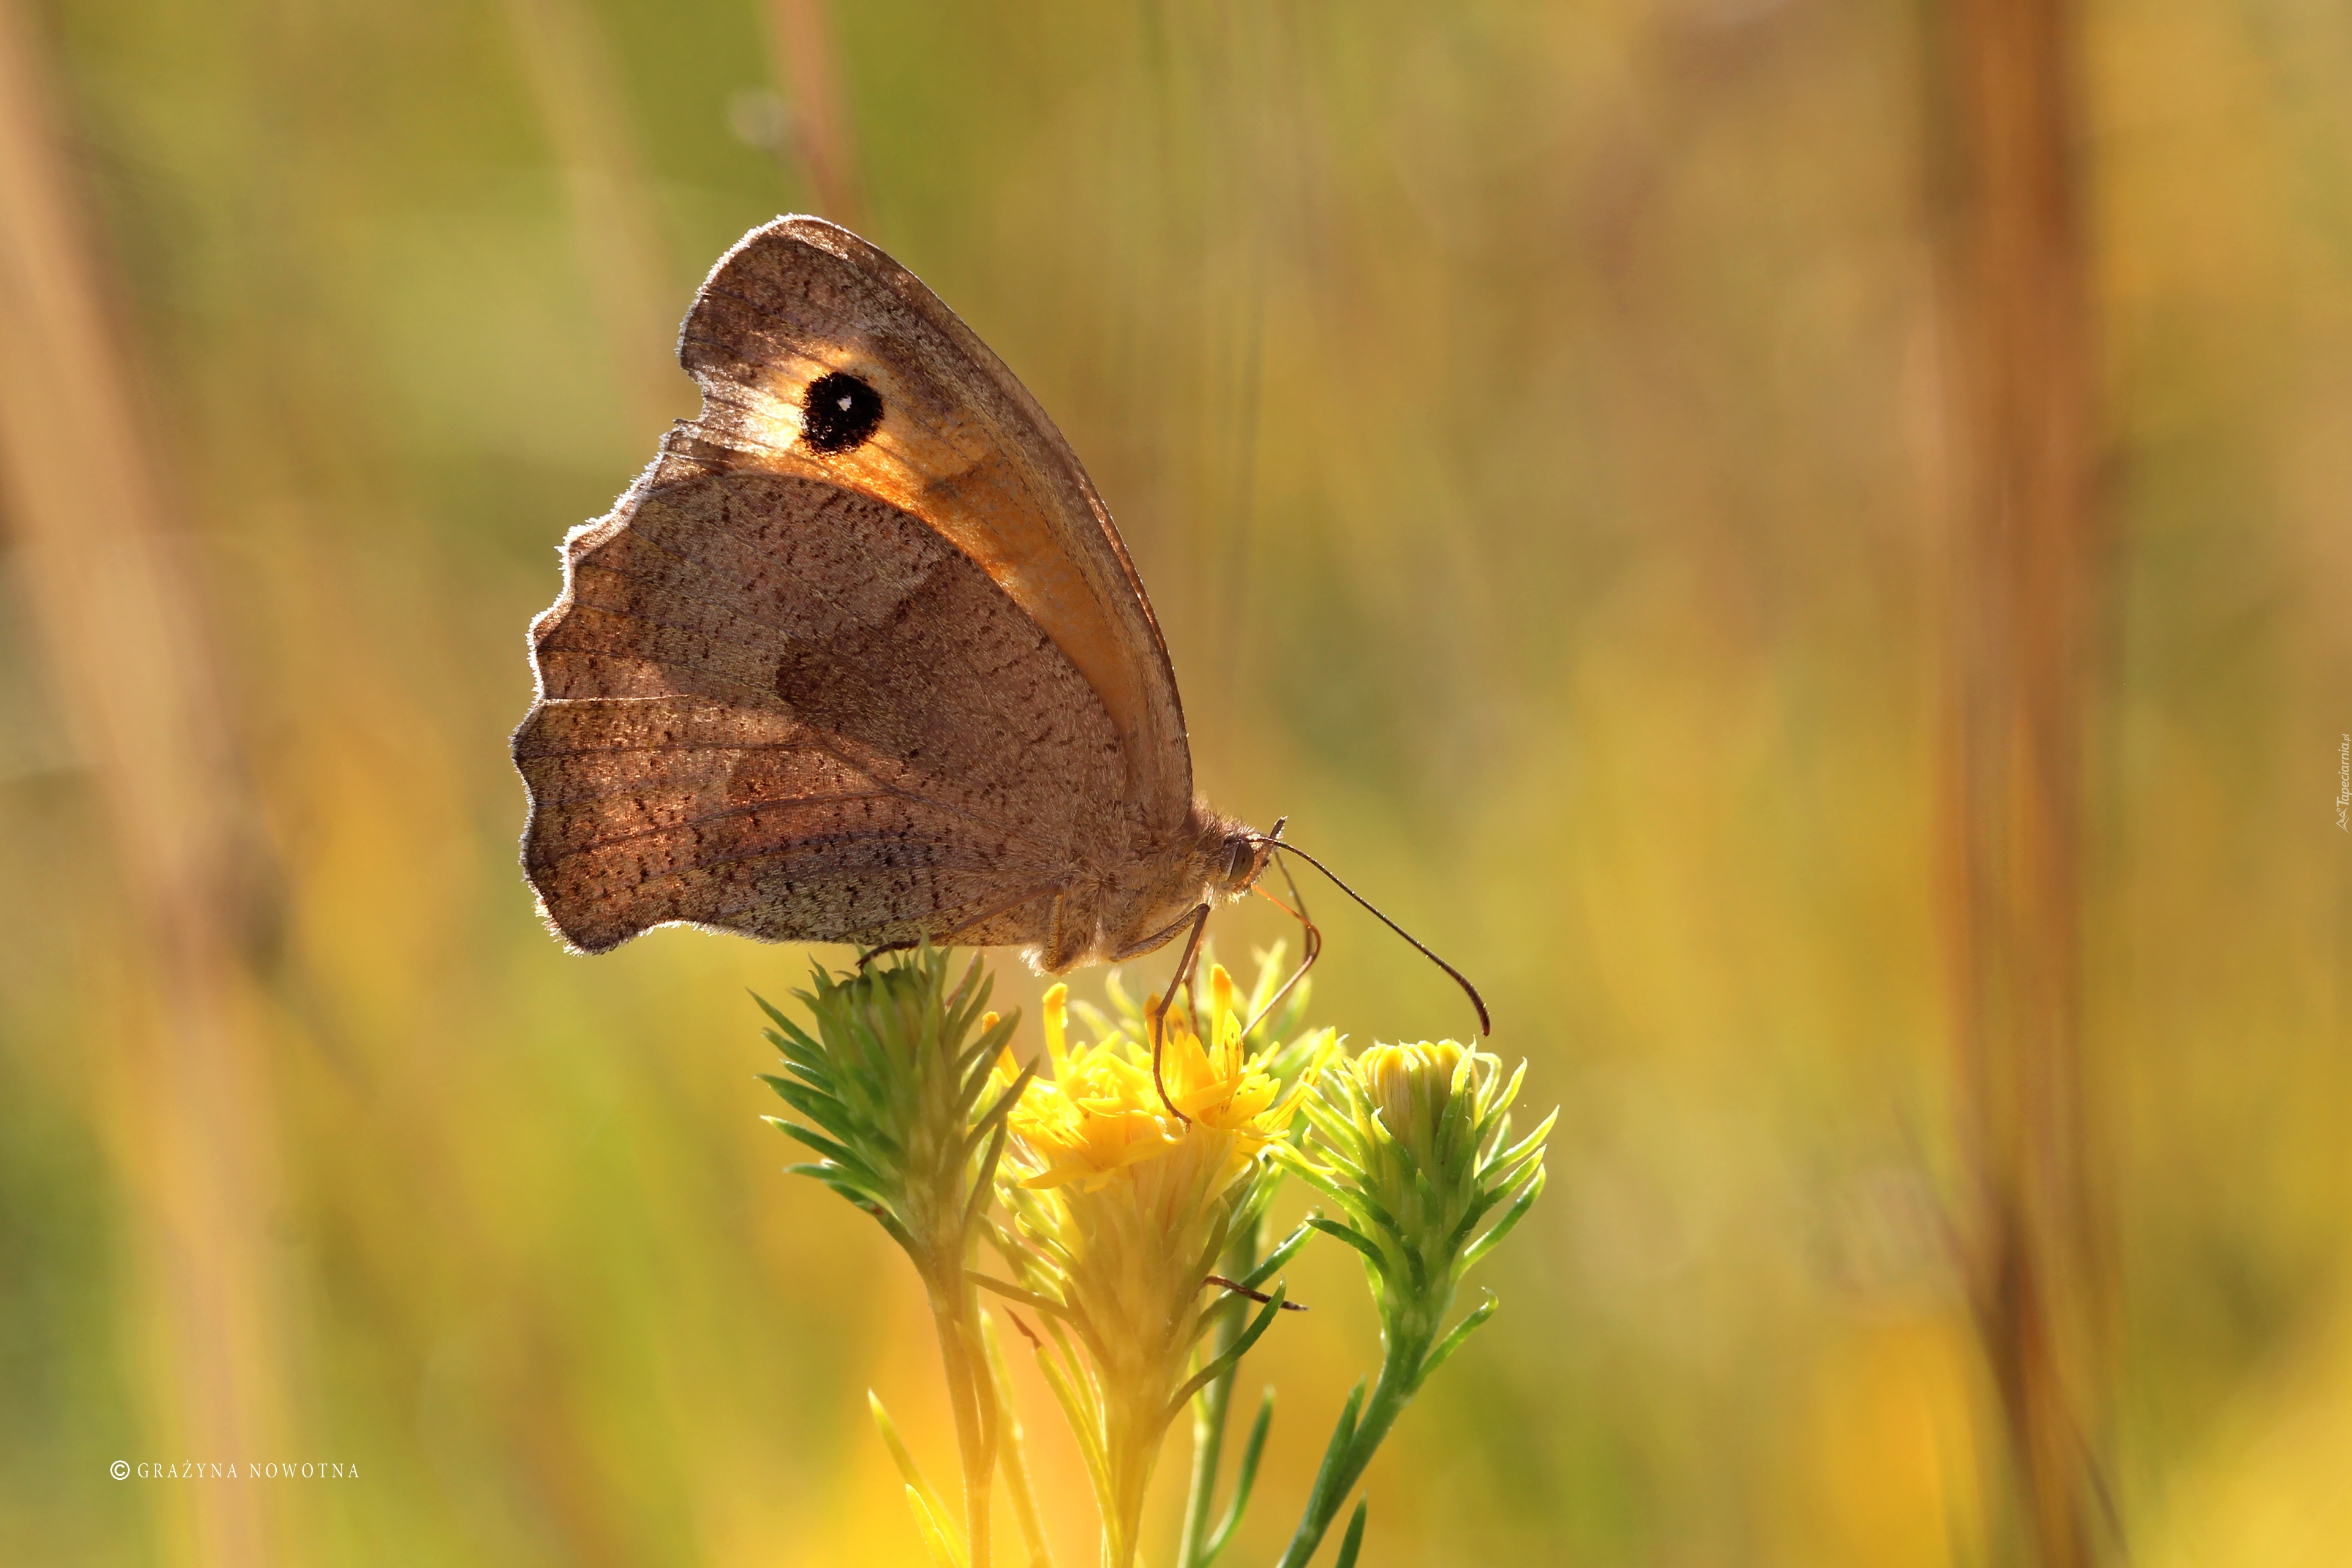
pixel 774 705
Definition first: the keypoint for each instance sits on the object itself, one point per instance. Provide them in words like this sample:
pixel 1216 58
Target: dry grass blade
pixel 2023 610
pixel 808 69
pixel 121 630
pixel 615 227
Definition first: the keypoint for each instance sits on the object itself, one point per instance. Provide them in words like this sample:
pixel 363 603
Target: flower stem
pixel 955 1312
pixel 1353 1448
pixel 1209 1414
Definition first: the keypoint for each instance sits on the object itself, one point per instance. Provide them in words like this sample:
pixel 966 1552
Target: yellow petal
pixel 1057 1020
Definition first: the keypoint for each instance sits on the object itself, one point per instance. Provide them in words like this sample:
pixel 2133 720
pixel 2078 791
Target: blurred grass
pixel 1528 421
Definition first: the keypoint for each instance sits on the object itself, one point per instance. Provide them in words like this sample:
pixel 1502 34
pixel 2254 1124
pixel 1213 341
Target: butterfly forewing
pixel 959 443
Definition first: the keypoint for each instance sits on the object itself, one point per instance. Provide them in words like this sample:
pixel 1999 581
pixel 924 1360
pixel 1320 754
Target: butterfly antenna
pixel 1485 1025
pixel 1159 1013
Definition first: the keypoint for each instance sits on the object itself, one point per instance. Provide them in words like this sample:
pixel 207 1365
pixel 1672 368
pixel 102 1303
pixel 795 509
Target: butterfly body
pixel 861 657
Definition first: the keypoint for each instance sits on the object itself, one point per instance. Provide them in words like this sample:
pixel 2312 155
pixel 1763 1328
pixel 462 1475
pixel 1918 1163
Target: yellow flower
pixel 1410 1085
pixel 1101 1113
pixel 1126 1206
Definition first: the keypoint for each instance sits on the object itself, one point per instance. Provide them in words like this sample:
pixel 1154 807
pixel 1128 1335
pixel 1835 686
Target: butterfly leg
pixel 902 945
pixel 1312 945
pixel 1159 1013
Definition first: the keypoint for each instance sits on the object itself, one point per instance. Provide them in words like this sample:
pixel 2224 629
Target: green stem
pixel 1408 1348
pixel 955 1310
pixel 1209 1412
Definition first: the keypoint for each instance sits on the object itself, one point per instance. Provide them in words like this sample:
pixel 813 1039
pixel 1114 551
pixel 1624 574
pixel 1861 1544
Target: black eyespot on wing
pixel 839 411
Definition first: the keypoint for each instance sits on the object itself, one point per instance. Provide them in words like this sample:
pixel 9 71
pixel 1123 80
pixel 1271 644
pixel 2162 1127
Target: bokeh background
pixel 1535 425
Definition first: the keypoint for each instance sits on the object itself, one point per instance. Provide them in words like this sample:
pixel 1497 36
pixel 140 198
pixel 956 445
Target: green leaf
pixel 1029 1299
pixel 826 1112
pixel 832 1150
pixel 1354 1540
pixel 1002 1109
pixel 1527 1146
pixel 1244 1478
pixel 1231 1356
pixel 931 1514
pixel 1340 1232
pixel 944 1549
pixel 1480 1206
pixel 1335 1452
pixel 983 1183
pixel 1011 1450
pixel 790 1031
pixel 1453 1342
pixel 1282 1254
pixel 1511 1217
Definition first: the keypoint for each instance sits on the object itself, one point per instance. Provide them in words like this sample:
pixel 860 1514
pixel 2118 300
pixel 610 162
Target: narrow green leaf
pixel 982 1053
pixel 787 1028
pixel 917 1488
pixel 829 1149
pixel 1013 1451
pixel 1231 1356
pixel 1283 1253
pixel 826 1112
pixel 1511 1217
pixel 1335 1229
pixel 1002 1109
pixel 1354 1540
pixel 1335 1452
pixel 1029 1299
pixel 1244 1478
pixel 1453 1342
pixel 983 1183
pixel 1480 1206
pixel 941 1547
pixel 1525 1147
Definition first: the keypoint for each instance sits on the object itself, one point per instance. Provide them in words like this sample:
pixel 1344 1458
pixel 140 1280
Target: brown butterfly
pixel 860 657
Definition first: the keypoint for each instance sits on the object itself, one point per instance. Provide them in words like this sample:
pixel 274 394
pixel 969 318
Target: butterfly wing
pixel 860 656
pixel 959 444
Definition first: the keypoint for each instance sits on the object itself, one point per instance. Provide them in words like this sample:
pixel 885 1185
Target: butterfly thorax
pixel 1146 899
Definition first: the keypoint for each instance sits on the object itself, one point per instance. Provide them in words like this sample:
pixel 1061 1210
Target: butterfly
pixel 860 656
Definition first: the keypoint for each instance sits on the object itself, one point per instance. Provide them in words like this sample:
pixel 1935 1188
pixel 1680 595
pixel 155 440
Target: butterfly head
pixel 1247 854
